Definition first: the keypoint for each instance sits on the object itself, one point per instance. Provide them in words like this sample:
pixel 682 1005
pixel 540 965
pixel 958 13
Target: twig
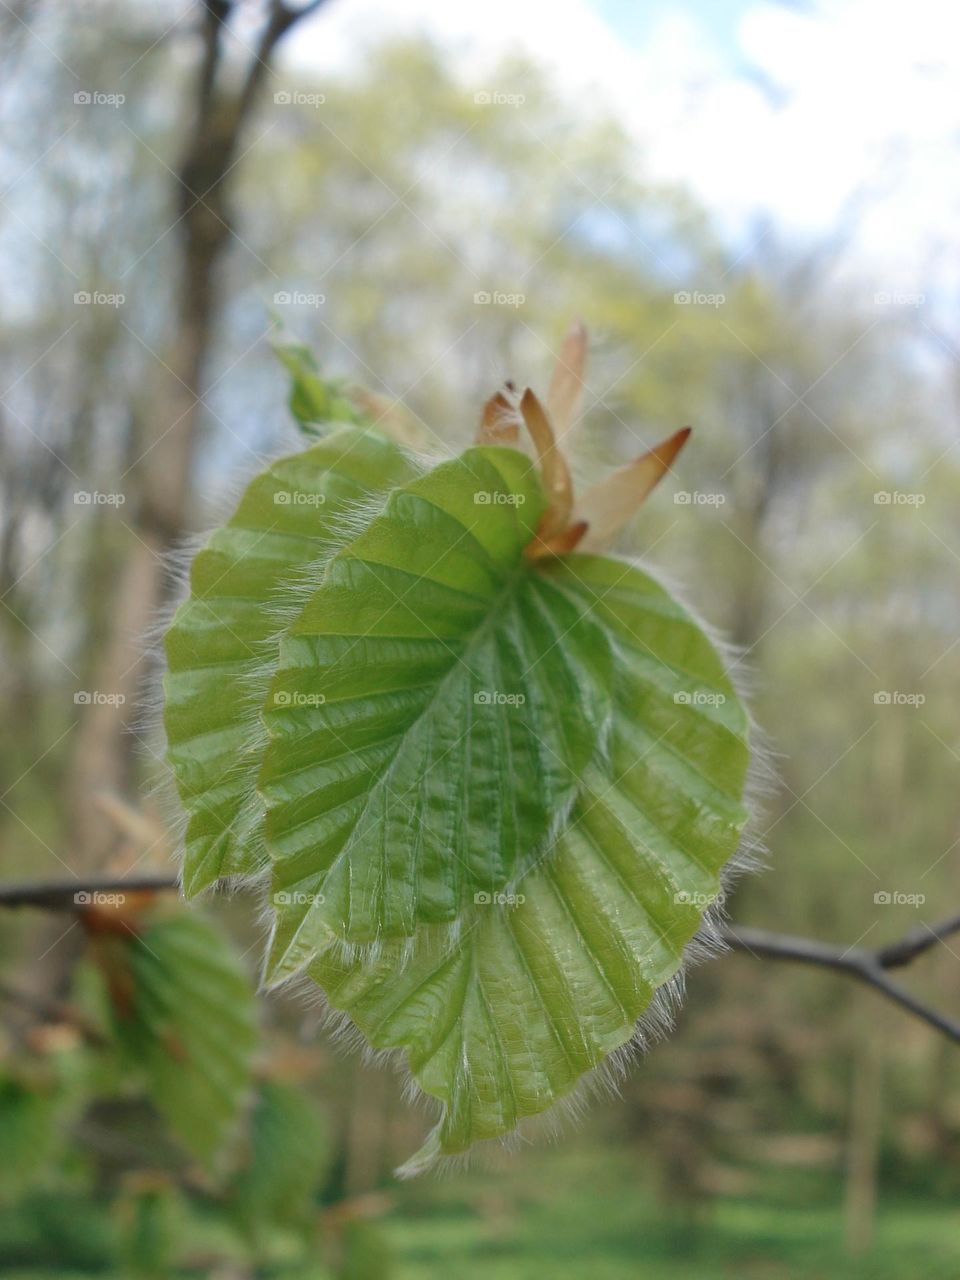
pixel 868 966
pixel 916 942
pixel 75 895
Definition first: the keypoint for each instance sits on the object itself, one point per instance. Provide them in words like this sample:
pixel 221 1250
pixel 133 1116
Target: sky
pixel 780 111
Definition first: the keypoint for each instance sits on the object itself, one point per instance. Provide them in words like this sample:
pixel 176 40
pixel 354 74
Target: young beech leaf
pixel 31 1131
pixel 282 1164
pixel 498 777
pixel 221 646
pixel 183 1013
pixel 315 401
pixel 435 705
pixel 502 1019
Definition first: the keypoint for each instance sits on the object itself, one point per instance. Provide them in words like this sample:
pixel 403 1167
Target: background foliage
pixel 790 1115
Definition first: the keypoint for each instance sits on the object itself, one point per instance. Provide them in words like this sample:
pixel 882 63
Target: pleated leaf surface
pixel 435 706
pixel 221 646
pixel 502 1021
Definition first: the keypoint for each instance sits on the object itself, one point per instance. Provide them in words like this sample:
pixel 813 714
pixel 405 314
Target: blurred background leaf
pixel 183 1013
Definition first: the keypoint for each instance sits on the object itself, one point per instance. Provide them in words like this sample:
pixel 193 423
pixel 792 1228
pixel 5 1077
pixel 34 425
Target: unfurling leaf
pixel 496 778
pixel 315 402
pixel 607 507
pixel 500 421
pixel 557 485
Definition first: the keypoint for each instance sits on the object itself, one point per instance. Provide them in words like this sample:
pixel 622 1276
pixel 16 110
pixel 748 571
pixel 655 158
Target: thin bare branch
pixel 75 895
pixel 867 966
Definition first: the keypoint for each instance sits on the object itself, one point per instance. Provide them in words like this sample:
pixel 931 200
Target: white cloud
pixel 857 96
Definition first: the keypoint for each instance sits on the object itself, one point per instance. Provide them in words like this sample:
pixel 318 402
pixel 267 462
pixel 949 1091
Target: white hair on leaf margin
pixel 655 1022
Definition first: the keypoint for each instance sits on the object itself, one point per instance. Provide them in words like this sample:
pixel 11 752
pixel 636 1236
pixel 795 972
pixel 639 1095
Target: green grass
pixel 567 1212
pixel 556 1215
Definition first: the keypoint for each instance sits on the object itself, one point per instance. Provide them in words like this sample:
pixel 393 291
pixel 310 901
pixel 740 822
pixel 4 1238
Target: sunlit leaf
pixel 503 1020
pixel 500 777
pixel 435 705
pixel 221 646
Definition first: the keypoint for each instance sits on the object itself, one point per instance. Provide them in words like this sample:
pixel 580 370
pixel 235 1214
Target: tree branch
pixel 916 942
pixel 868 966
pixel 68 895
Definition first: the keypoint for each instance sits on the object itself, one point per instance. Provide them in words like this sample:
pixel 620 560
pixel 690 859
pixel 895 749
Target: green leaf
pixel 287 1153
pixel 184 1016
pixel 435 704
pixel 366 1255
pixel 31 1130
pixel 221 646
pixel 149 1213
pixel 497 794
pixel 315 401
pixel 502 1020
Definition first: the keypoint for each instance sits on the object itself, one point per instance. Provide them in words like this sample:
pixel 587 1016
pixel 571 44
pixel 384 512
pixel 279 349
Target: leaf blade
pixel 502 1020
pixel 220 645
pixel 431 653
